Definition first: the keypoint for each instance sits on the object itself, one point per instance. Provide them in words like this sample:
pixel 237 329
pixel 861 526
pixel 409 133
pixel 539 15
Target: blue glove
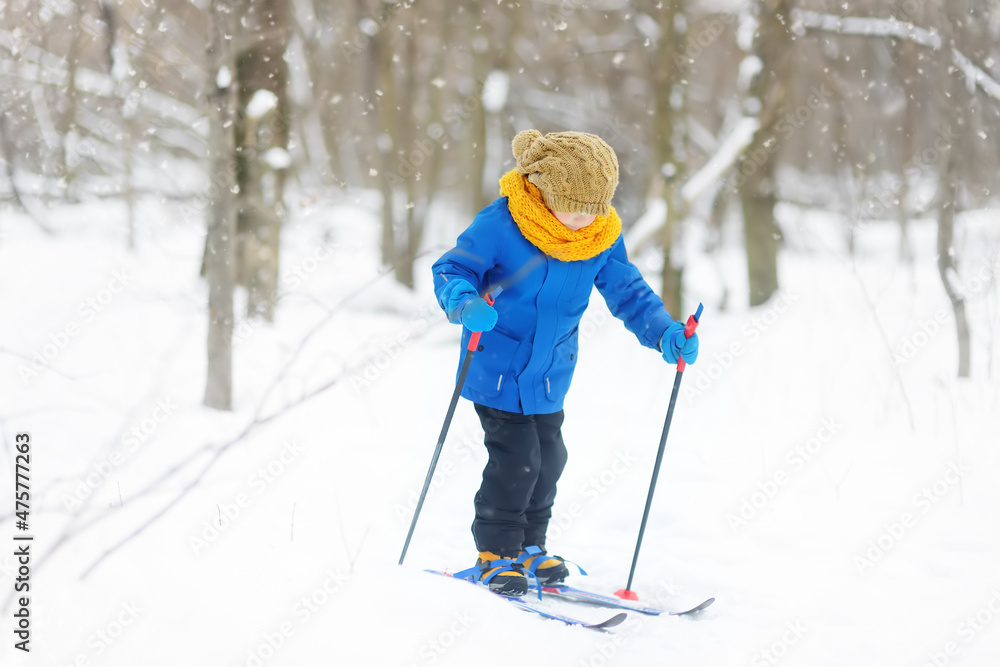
pixel 477 315
pixel 674 344
pixel 463 305
pixel 454 296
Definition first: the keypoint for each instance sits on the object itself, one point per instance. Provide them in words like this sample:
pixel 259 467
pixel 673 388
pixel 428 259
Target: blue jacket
pixel 525 364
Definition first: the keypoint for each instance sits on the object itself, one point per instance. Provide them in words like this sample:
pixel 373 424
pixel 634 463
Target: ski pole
pixel 627 593
pixel 469 351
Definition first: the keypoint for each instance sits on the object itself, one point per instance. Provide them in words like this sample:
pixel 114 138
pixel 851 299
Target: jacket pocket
pixel 560 373
pixel 492 364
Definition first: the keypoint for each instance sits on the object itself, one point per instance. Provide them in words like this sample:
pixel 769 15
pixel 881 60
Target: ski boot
pixel 549 570
pixel 503 575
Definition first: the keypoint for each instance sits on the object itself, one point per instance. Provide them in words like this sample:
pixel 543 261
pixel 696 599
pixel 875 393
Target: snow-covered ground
pixel 827 478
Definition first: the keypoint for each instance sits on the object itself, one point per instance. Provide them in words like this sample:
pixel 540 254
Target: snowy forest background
pixel 216 225
pixel 216 109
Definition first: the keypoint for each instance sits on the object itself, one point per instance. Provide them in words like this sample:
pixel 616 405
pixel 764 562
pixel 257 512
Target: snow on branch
pixel 976 76
pixel 891 27
pixel 866 27
pixel 729 152
pixel 33 64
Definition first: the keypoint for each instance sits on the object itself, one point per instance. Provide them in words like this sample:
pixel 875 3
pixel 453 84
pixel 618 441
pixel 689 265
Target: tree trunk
pixel 908 67
pixel 668 163
pixel 478 135
pixel 8 149
pixel 68 163
pixel 129 103
pixel 953 117
pixel 128 180
pixel 946 264
pixel 220 243
pixel 757 193
pixel 761 235
pixel 404 127
pixel 672 276
pixel 323 81
pixel 382 92
pixel 261 67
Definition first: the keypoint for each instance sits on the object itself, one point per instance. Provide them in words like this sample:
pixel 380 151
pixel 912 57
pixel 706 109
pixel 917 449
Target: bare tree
pixel 121 73
pixel 405 62
pixel 955 121
pixel 482 62
pixel 70 101
pixel 767 94
pixel 220 254
pixel 669 158
pixel 948 203
pixel 262 131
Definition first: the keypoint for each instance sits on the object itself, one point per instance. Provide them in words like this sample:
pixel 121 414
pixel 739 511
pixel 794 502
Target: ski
pixel 579 595
pixel 694 610
pixel 611 622
pixel 615 620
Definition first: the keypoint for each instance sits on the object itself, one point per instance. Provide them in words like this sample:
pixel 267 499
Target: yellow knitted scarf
pixel 546 233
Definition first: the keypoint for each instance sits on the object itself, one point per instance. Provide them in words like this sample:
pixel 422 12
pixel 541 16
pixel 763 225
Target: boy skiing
pixel 545 243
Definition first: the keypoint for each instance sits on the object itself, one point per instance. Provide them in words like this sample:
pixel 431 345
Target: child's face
pixel 574 220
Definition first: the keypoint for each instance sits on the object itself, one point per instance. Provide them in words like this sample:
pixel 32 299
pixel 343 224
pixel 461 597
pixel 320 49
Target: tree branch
pixel 864 26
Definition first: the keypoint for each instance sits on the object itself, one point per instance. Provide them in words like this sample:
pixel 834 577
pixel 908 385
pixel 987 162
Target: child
pixel 544 243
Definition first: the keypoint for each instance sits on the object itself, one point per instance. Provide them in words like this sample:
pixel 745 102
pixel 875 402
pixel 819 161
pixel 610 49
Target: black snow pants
pixel 514 503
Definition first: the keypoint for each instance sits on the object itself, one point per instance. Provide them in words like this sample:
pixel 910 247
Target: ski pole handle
pixel 689 328
pixel 474 338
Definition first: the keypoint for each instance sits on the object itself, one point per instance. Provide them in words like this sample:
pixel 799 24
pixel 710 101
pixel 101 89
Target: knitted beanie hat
pixel 576 172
